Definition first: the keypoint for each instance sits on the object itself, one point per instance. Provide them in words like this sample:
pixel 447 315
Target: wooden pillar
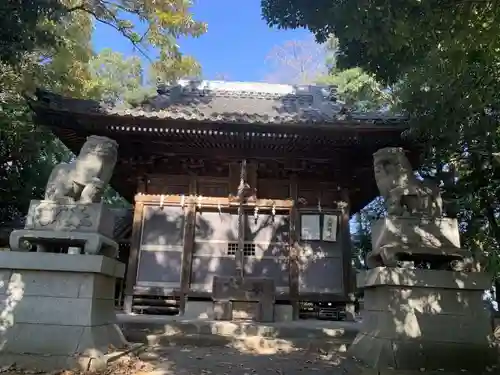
pixel 241 219
pixel 247 177
pixel 345 207
pixel 188 243
pixel 252 178
pixel 235 175
pixel 234 178
pixel 187 253
pixel 142 185
pixel 294 249
pixel 241 240
pixel 135 243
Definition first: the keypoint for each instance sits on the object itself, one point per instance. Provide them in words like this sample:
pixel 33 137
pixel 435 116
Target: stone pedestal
pixel 57 310
pixel 249 298
pixel 422 320
pixel 405 232
pixel 398 239
pixel 88 226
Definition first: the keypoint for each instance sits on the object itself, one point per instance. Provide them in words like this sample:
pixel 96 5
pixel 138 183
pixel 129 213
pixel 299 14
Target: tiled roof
pixel 234 102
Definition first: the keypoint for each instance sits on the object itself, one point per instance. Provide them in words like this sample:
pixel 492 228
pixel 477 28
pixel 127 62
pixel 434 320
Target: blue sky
pixel 236 44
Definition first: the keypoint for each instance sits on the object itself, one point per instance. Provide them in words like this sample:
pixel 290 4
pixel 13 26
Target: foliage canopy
pixel 444 57
pixel 48 44
pixel 28 25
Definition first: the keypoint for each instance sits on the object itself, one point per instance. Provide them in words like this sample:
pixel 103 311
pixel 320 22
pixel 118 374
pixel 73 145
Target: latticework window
pixel 248 249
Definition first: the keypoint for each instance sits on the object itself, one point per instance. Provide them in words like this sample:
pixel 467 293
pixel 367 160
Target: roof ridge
pixel 272 90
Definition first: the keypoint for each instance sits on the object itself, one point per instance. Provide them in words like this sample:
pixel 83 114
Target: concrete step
pixel 269 337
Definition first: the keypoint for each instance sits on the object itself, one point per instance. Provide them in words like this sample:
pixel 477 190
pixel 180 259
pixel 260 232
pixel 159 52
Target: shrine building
pixel 234 178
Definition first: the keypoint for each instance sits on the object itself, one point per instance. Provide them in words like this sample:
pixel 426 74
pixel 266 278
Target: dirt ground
pixel 189 360
pixel 231 361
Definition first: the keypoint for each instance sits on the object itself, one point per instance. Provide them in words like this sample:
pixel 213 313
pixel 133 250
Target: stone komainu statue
pixel 84 179
pixel 403 193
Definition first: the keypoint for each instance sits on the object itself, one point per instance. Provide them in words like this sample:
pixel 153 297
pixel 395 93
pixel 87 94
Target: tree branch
pixel 115 26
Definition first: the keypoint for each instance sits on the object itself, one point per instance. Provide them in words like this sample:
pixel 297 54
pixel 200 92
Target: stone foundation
pixel 57 310
pixel 422 319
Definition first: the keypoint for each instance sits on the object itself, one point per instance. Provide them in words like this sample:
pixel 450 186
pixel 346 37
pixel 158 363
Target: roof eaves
pixel 47 101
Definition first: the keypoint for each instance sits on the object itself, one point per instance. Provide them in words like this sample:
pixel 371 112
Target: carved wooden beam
pixel 310 153
pixel 214 202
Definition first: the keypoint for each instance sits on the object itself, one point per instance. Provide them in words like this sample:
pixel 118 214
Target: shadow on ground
pixel 190 360
pixel 182 347
pixel 264 339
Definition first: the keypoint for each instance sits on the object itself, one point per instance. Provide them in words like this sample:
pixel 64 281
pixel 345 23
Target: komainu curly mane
pixel 402 191
pixel 85 178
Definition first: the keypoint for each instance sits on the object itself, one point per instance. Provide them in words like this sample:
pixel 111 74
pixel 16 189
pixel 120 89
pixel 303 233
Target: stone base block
pixel 90 243
pixel 423 319
pixel 55 347
pixel 58 309
pixel 415 355
pixel 86 226
pixel 283 313
pixel 206 310
pixel 69 217
pixel 199 310
pixel 243 289
pixel 245 310
pixel 249 298
pixel 223 310
pixel 238 310
pixel 397 238
pixel 414 231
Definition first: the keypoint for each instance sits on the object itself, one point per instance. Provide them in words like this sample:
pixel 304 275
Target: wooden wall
pixel 182 245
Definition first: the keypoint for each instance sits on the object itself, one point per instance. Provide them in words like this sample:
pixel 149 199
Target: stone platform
pixel 418 319
pixel 58 310
pixel 86 226
pixel 262 337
